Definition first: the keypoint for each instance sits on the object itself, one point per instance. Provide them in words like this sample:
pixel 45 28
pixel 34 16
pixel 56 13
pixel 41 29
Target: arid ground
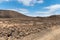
pixel 29 28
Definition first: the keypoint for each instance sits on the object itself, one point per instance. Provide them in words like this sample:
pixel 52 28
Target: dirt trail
pixel 53 35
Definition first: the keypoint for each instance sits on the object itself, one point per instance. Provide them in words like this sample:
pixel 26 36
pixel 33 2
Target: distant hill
pixel 14 14
pixel 10 14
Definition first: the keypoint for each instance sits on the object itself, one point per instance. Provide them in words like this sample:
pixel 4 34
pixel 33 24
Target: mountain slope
pixel 10 14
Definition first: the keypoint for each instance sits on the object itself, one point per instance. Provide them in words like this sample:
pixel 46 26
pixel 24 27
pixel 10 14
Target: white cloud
pixel 30 2
pixel 43 13
pixel 24 11
pixel 25 2
pixel 53 7
pixel 40 12
pixel 50 10
pixel 40 1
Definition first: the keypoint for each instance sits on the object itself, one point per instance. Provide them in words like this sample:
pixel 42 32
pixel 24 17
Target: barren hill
pixel 10 14
pixel 28 28
pixel 14 14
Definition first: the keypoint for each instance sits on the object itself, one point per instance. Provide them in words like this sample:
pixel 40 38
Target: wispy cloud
pixel 42 13
pixel 24 11
pixel 53 8
pixel 30 2
pixel 21 10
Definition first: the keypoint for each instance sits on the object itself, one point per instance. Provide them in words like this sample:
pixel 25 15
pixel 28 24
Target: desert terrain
pixel 16 26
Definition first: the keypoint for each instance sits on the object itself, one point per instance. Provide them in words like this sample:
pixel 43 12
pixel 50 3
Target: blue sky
pixel 32 7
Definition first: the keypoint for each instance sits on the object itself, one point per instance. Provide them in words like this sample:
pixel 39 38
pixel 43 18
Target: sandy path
pixel 53 35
